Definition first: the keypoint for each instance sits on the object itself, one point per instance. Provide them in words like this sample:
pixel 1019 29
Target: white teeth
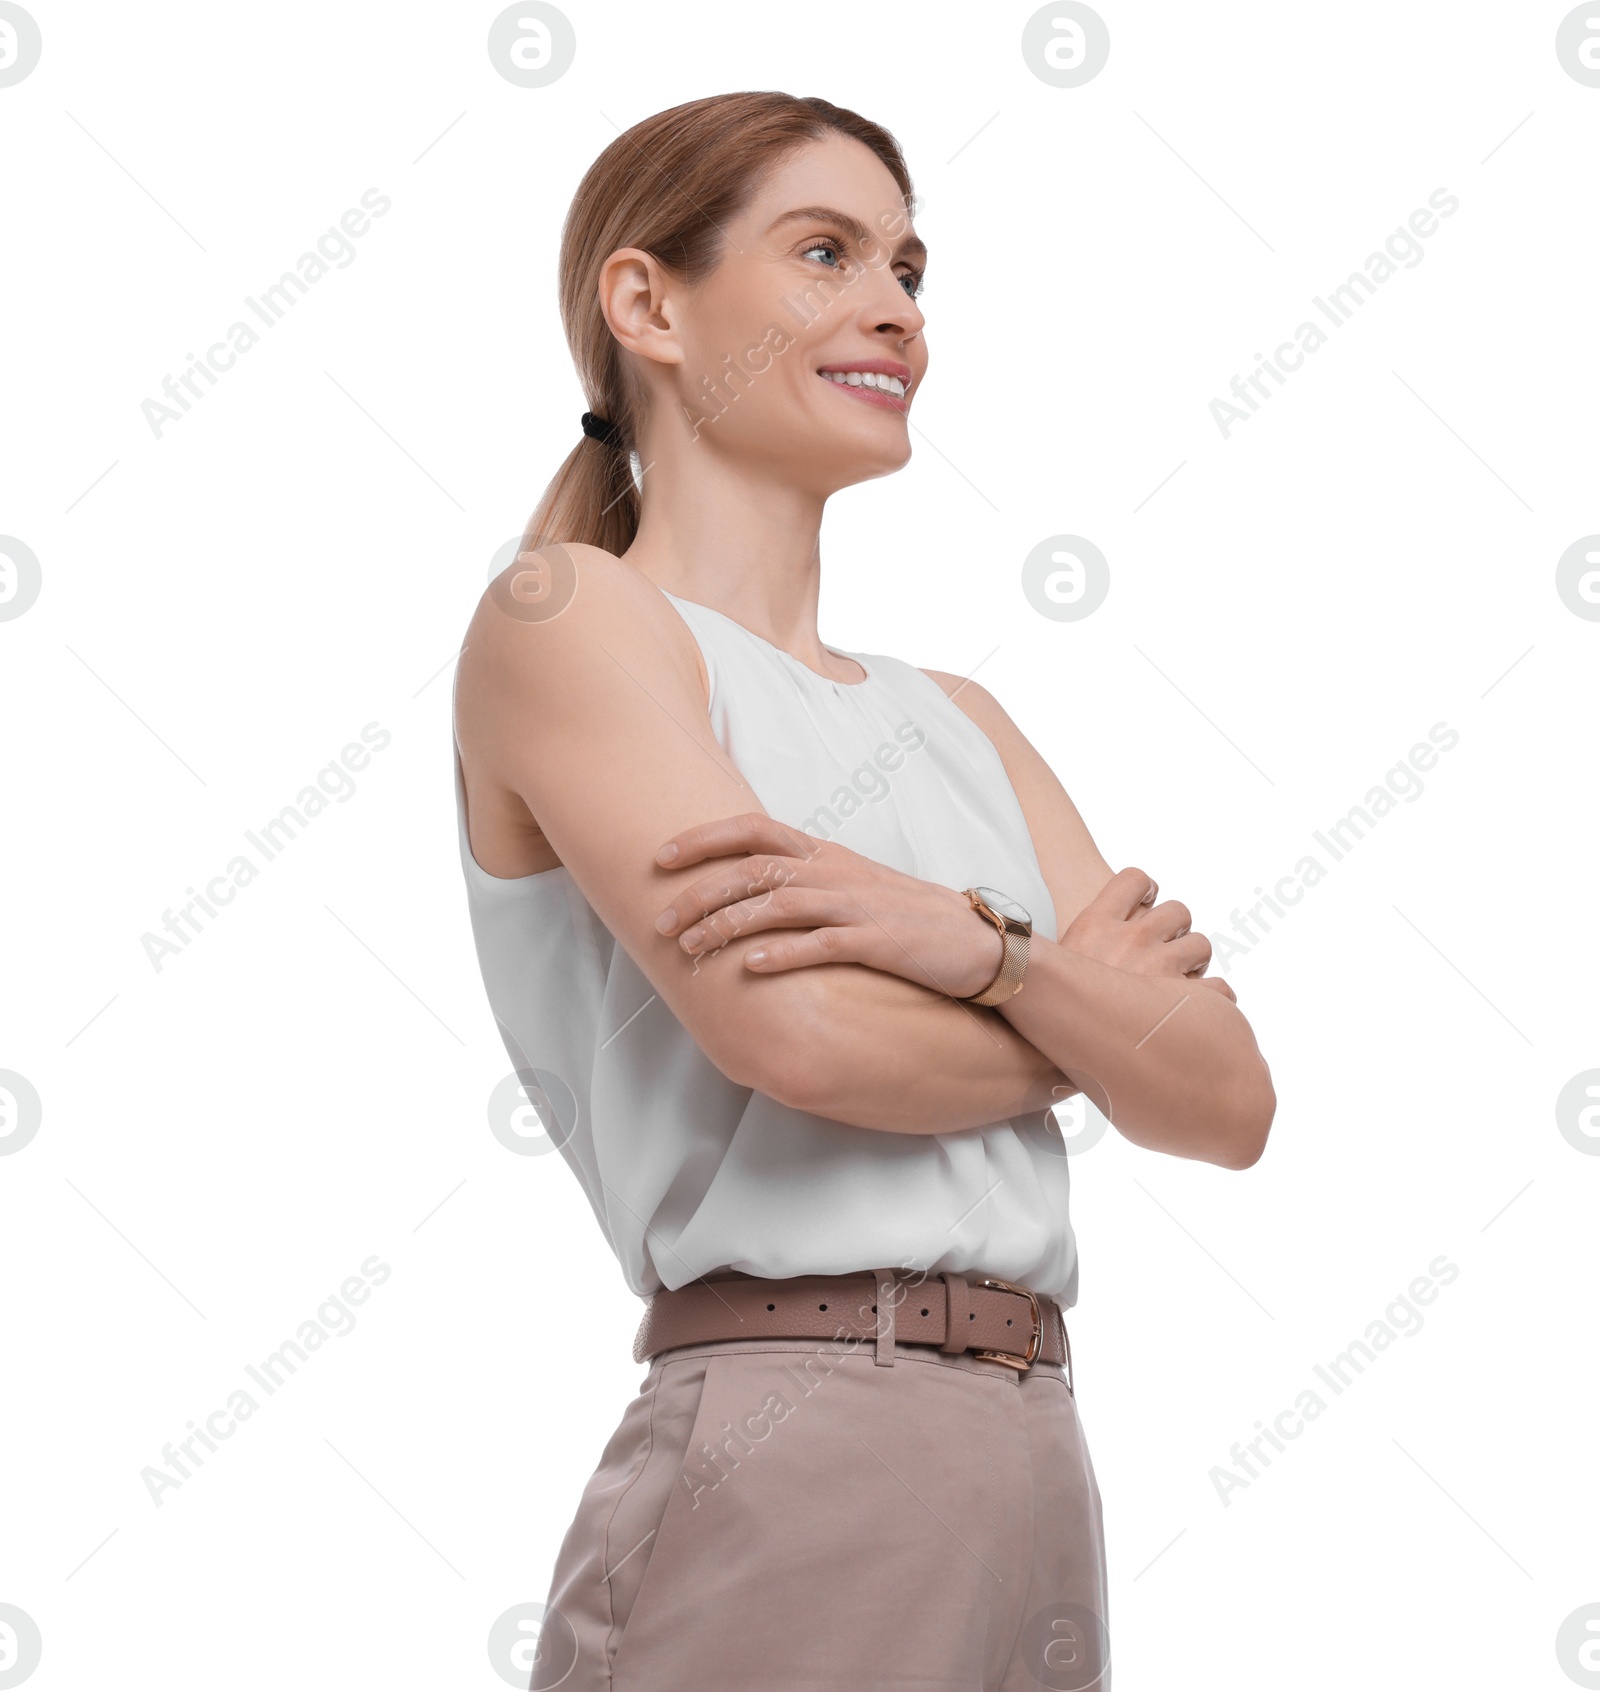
pixel 867 379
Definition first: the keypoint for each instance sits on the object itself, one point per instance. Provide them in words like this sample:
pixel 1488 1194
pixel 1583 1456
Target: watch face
pixel 1003 906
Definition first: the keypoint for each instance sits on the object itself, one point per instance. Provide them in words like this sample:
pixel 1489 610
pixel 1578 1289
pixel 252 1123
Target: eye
pixel 821 246
pixel 911 281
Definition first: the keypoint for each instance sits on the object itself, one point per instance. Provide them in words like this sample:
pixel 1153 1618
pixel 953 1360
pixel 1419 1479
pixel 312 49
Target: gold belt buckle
pixel 1007 1357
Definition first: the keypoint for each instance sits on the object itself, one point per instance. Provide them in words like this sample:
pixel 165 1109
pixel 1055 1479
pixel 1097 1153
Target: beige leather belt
pixel 978 1314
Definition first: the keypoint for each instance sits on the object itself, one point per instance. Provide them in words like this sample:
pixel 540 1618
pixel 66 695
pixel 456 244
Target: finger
pixel 1126 891
pixel 749 831
pixel 1170 919
pixel 1190 952
pixel 797 951
pixel 734 881
pixel 791 907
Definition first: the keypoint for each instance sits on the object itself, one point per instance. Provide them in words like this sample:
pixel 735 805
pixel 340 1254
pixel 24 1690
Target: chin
pixel 866 453
pixel 884 460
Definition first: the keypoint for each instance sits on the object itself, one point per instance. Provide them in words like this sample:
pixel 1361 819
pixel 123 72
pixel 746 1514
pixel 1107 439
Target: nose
pixel 887 310
pixel 898 326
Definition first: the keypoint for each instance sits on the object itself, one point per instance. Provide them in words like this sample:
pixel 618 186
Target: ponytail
pixel 592 499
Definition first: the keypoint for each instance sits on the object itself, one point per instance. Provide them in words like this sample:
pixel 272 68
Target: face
pixel 818 282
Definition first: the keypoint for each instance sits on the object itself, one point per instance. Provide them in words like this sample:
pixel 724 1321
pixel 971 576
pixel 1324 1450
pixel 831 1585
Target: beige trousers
pixel 814 1516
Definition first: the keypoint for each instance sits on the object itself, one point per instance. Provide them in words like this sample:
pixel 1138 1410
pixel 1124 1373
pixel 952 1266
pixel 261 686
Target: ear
pixel 640 301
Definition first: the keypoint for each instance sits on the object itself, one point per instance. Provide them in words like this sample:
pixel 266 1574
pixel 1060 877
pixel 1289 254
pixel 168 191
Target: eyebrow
pixel 911 247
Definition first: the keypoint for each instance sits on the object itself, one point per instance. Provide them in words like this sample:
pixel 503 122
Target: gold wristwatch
pixel 1016 931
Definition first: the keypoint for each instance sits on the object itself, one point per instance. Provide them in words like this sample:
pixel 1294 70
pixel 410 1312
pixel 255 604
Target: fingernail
pixel 667 853
pixel 665 921
pixel 759 955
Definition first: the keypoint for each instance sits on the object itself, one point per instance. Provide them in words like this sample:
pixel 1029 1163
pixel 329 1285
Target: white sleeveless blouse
pixel 688 1172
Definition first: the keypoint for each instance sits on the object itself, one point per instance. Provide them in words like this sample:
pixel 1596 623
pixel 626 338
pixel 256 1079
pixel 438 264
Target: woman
pixel 753 915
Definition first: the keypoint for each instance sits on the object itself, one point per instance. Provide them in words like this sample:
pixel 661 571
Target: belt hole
pixel 772 1307
pixel 924 1312
pixel 822 1307
pixel 874 1310
pixel 1008 1321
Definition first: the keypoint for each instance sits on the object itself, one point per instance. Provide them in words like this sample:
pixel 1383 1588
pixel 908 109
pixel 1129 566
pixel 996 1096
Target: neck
pixel 744 540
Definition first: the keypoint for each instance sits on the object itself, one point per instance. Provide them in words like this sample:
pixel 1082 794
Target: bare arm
pixel 877 1051
pixel 1121 1007
pixel 1172 1063
pixel 596 719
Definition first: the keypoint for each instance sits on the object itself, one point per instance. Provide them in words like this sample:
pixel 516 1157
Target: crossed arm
pixel 596 719
pixel 877 1051
pixel 1125 1010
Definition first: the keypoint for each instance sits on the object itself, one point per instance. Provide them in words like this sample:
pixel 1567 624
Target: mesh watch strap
pixel 1012 965
pixel 1013 958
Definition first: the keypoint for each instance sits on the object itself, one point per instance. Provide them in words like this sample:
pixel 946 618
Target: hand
pixel 852 908
pixel 1124 927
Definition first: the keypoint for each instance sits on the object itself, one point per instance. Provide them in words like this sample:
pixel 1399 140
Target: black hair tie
pixel 601 429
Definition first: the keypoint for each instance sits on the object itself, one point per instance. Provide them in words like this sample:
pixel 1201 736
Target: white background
pixel 224 1141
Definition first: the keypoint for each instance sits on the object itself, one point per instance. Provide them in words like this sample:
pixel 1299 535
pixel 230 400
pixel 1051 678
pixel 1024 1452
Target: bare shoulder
pixel 1072 864
pixel 563 646
pixel 571 613
pixel 973 698
pixel 978 703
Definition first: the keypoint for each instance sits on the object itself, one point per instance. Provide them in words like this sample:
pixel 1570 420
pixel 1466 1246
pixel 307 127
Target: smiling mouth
pixel 871 386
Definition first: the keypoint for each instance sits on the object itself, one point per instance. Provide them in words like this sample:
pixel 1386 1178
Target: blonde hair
pixel 667 186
